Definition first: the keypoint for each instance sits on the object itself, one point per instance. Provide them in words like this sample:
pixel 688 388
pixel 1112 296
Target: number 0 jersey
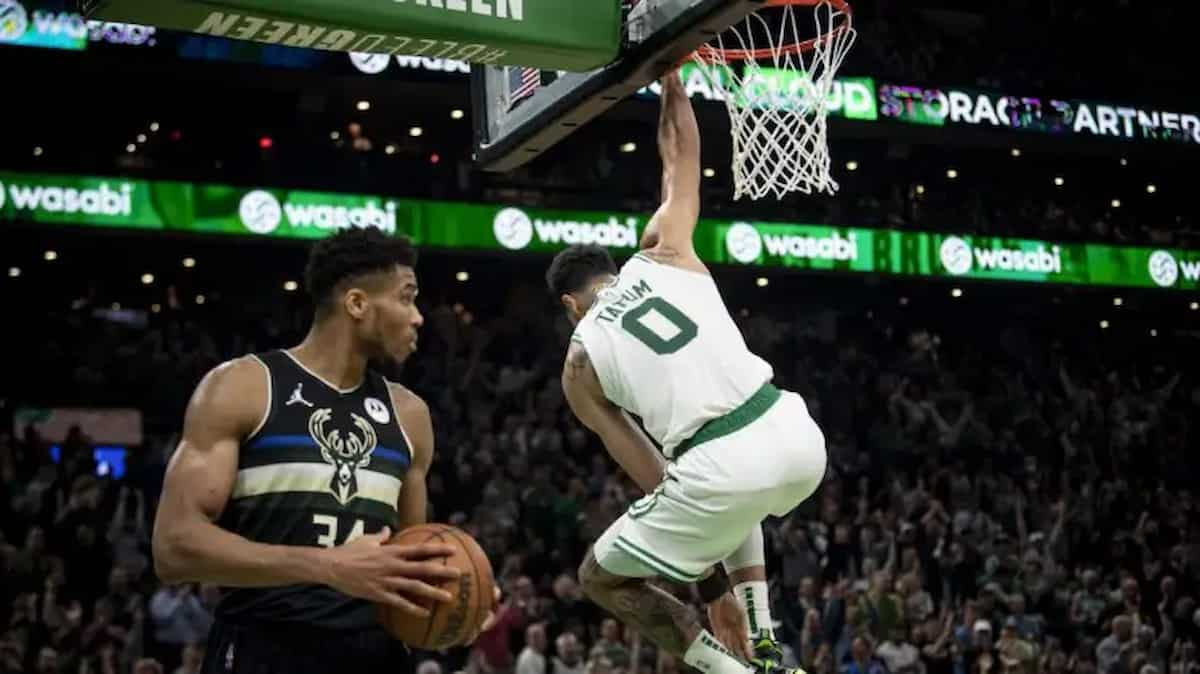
pixel 665 348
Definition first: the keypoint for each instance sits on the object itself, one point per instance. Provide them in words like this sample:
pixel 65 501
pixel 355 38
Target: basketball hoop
pixel 778 103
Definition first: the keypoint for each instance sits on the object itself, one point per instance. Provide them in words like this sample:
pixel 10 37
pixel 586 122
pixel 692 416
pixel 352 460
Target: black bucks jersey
pixel 325 467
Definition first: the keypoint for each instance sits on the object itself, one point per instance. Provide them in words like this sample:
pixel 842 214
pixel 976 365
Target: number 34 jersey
pixel 666 349
pixel 325 466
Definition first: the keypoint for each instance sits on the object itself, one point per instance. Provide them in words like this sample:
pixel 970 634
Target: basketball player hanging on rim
pixel 655 339
pixel 293 468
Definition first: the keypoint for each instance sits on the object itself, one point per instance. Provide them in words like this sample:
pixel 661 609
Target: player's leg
pixel 747 570
pixel 620 585
pixel 780 460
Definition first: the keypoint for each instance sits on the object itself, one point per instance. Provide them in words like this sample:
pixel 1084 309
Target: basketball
pixel 448 623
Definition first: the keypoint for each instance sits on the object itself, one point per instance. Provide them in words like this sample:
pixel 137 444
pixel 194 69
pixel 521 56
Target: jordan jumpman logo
pixel 298 398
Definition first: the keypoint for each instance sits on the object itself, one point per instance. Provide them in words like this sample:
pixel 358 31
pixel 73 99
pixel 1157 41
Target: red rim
pixel 709 54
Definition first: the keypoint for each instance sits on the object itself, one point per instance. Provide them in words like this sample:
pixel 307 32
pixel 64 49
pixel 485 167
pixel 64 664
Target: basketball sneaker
pixel 768 655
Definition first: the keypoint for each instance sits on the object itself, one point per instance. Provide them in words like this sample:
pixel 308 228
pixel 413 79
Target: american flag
pixel 522 82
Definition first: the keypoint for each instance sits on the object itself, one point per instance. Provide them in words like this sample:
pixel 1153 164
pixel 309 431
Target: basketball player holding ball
pixel 294 468
pixel 656 340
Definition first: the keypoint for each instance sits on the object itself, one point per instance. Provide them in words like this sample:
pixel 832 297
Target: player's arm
pixel 414 419
pixel 188 546
pixel 626 443
pixel 670 230
pixel 413 507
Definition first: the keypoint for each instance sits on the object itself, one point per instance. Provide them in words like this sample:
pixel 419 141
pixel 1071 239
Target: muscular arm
pixel 187 544
pixel 414 419
pixel 625 442
pixel 669 233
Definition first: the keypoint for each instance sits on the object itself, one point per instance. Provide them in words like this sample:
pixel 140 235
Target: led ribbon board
pixel 170 206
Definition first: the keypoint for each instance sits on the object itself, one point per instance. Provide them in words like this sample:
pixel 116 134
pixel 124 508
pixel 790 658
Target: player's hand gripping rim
pixel 393 575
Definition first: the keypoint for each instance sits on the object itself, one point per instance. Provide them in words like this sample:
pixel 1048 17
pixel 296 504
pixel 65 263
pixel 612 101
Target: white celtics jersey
pixel 666 349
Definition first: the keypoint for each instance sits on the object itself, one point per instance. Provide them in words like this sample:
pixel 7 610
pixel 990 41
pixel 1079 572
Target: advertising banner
pixel 971 107
pixel 301 214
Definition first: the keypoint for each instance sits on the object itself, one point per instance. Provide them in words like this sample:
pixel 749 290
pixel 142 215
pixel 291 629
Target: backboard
pixel 521 112
pixel 526 32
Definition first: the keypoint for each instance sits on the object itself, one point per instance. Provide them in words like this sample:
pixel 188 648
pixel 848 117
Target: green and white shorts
pixel 764 458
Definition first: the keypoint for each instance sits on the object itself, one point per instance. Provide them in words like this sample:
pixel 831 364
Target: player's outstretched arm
pixel 625 442
pixel 670 230
pixel 188 546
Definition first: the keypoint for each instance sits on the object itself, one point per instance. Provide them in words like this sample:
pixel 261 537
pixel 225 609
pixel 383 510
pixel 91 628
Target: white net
pixel 778 100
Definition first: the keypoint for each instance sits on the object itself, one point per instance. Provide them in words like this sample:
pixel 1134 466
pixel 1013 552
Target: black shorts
pixel 300 649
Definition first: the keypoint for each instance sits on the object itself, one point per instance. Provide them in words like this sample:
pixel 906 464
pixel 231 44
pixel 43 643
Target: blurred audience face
pixel 1129 590
pixel 568 649
pixel 808 588
pixel 535 637
pixel 859 649
pixel 1122 628
pixel 982 638
pixel 610 630
pixel 1016 604
pixel 566 589
pixel 524 589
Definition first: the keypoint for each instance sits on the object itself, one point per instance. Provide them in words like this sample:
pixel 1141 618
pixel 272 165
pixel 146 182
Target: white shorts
pixel 717 491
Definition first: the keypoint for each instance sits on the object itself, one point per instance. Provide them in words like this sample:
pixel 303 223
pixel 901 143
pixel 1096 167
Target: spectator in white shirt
pixel 532 659
pixel 570 657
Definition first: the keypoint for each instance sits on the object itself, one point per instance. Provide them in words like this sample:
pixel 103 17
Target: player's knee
pixel 593 579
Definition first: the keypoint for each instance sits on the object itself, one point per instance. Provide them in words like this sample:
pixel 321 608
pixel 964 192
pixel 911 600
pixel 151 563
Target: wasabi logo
pixel 514 229
pixel 743 243
pixel 1164 270
pixel 832 247
pixel 260 212
pixel 101 200
pixel 959 257
pixel 371 64
pixel 956 255
pixel 13 20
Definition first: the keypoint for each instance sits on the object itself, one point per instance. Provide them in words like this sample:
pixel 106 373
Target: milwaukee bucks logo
pixel 345 453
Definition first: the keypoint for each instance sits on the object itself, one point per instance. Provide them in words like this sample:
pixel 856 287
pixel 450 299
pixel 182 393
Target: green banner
pixel 849 97
pixel 300 214
pixel 536 33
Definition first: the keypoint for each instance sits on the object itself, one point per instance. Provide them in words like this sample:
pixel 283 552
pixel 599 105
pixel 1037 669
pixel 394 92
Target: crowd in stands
pixel 1000 499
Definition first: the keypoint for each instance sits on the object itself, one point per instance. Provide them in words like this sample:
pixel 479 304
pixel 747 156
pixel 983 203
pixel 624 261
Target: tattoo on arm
pixel 654 613
pixel 577 361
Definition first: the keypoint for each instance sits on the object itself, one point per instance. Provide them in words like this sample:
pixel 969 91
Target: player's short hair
pixel 575 267
pixel 348 256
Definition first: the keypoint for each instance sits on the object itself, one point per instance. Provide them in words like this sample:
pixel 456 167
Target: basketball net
pixel 779 102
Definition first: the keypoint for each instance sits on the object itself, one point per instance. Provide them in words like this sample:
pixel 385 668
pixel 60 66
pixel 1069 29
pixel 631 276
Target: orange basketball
pixel 449 623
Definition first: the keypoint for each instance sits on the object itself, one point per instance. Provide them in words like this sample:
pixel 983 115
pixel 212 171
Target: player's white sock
pixel 755 599
pixel 709 656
